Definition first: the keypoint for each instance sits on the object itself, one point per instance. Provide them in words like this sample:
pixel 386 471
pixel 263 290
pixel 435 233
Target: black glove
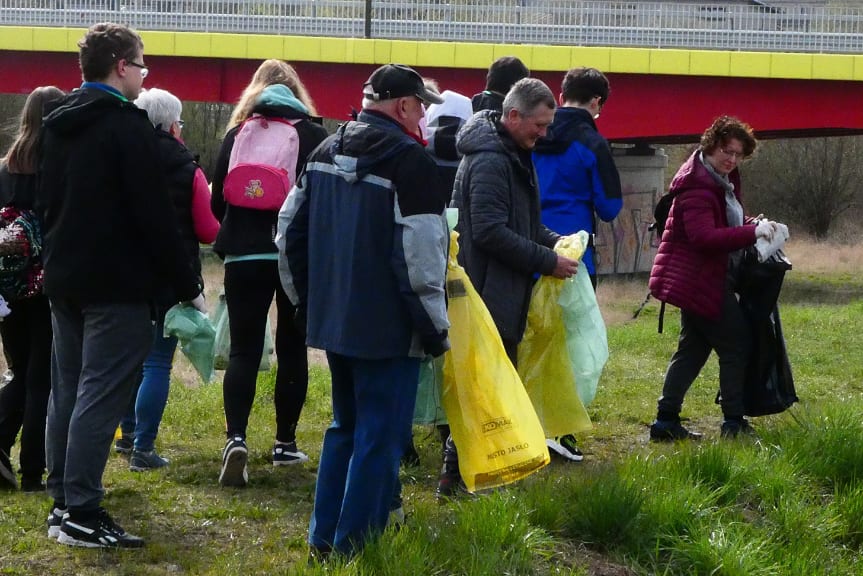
pixel 300 319
pixel 437 345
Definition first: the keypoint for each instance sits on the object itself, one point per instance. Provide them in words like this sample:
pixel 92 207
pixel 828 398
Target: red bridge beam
pixel 657 108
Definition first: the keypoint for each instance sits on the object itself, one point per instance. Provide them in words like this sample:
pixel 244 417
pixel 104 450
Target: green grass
pixel 788 503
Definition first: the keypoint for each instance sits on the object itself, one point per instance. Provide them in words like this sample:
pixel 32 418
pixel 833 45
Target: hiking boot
pixel 566 447
pixel 99 531
pixel 286 453
pixel 55 519
pixel 671 431
pixel 734 427
pixel 7 474
pixel 124 444
pixel 234 458
pixel 141 461
pixel 411 458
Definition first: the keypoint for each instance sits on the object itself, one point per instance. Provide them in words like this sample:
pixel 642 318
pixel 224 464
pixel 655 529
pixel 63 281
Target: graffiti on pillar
pixel 625 245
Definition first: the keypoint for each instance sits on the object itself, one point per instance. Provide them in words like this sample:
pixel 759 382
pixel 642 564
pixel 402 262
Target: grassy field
pixel 790 503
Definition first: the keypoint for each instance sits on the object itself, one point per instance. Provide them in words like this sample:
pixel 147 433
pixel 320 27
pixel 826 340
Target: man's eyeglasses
pixel 733 154
pixel 144 69
pixel 181 124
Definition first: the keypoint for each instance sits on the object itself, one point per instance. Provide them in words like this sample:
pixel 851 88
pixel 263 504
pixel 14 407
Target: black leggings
pixel 249 288
pixel 27 338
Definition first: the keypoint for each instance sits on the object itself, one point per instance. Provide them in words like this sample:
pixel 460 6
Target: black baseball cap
pixel 397 81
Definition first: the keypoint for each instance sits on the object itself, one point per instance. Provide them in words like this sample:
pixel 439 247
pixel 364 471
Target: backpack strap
pixel 661 316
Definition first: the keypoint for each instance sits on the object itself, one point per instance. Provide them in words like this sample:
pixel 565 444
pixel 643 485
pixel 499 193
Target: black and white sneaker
pixel 7 474
pixel 100 531
pixel 55 519
pixel 287 453
pixel 566 447
pixel 234 459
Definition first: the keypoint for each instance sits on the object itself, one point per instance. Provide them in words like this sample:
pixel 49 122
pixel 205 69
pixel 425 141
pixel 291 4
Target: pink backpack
pixel 263 164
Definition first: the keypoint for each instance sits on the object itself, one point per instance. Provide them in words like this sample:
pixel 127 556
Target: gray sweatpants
pixel 97 356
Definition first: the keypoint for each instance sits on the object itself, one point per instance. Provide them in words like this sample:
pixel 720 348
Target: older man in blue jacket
pixel 362 249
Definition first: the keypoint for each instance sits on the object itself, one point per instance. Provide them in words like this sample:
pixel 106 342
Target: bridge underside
pixel 642 108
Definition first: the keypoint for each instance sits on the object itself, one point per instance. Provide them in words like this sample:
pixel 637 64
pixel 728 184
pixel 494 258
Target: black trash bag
pixel 769 384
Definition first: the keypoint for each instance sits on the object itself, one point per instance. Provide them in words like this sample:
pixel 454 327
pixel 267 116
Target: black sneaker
pixel 734 427
pixel 234 458
pixel 671 431
pixel 141 461
pixel 287 453
pixel 100 531
pixel 124 445
pixel 7 475
pixel 566 447
pixel 55 519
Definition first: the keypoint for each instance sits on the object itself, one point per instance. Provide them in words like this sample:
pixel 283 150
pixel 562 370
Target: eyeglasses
pixel 181 124
pixel 144 69
pixel 733 154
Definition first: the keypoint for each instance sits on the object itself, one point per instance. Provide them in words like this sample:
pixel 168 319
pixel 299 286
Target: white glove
pixel 765 229
pixel 199 303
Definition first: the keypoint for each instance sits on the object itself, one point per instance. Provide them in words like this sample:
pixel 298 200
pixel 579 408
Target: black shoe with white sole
pixel 234 459
pixel 55 520
pixel 97 531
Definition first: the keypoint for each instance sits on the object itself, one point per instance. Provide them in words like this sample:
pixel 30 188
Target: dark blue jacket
pixel 577 176
pixel 362 244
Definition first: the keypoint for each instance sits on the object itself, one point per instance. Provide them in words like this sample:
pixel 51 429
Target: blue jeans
pixel 145 411
pixel 373 405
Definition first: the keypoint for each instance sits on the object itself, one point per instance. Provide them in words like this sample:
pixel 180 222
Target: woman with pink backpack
pixel 270 134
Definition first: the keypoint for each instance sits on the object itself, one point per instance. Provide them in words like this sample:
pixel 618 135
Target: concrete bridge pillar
pixel 625 245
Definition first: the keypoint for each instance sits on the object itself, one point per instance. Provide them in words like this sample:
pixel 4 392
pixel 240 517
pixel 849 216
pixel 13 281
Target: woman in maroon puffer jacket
pixel 696 269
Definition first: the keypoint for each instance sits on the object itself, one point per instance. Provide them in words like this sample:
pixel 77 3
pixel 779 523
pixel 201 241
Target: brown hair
pixel 581 85
pixel 270 72
pixel 726 128
pixel 103 45
pixel 22 155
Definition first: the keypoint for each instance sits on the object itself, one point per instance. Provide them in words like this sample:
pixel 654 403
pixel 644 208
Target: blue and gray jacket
pixel 577 176
pixel 362 244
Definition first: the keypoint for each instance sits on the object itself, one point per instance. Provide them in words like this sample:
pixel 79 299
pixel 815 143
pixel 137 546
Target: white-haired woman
pixel 191 199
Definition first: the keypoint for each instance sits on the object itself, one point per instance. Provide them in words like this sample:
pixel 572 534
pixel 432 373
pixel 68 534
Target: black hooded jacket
pixel 109 226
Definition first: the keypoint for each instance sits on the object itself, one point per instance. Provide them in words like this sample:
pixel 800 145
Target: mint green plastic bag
pixel 196 335
pixel 429 406
pixel 586 338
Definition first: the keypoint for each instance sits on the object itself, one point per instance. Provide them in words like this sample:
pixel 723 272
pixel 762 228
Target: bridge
pixel 790 71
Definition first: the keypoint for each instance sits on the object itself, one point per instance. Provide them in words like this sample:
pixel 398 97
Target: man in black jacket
pixel 502 74
pixel 110 240
pixel 503 243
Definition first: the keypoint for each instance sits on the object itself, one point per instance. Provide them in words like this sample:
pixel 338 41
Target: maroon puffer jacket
pixel 691 263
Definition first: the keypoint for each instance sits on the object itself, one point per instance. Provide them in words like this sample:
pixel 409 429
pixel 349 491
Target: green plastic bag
pixel 222 348
pixel 586 337
pixel 196 335
pixel 429 406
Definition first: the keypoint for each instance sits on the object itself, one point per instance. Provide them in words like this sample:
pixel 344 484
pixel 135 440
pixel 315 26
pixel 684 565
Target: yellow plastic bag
pixel 544 363
pixel 496 431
